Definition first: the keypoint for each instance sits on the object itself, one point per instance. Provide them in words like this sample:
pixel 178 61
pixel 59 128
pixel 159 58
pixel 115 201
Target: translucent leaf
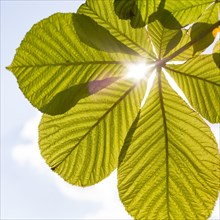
pixel 52 63
pixel 83 144
pixel 139 11
pixel 163 39
pixel 216 48
pixel 103 13
pixel 207 19
pixel 196 32
pixel 99 37
pixel 199 78
pixel 184 55
pixel 169 164
pixel 187 12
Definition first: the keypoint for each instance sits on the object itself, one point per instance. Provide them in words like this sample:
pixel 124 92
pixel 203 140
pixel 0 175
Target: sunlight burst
pixel 138 71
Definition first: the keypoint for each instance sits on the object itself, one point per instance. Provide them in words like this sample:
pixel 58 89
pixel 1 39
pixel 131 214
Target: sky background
pixel 29 189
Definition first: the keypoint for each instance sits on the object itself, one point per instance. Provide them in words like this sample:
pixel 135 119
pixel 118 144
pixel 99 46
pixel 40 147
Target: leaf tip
pixel 8 67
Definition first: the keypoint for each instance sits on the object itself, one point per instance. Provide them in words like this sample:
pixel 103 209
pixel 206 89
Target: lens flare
pixel 138 71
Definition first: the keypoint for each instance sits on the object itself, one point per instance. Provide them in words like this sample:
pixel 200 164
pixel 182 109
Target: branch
pixel 160 63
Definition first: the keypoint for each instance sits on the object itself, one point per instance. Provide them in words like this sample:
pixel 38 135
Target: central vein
pixel 166 138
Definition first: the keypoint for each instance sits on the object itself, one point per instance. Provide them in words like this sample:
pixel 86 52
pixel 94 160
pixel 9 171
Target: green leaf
pixel 216 53
pixel 99 37
pixel 169 166
pixel 216 48
pixel 207 19
pixel 197 30
pixel 52 62
pixel 210 15
pixel 68 98
pixel 184 55
pixel 163 39
pixel 187 12
pixel 199 78
pixel 103 13
pixel 139 11
pixel 167 37
pixel 83 144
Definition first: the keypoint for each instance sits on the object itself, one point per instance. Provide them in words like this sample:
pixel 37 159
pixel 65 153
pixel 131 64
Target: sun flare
pixel 138 71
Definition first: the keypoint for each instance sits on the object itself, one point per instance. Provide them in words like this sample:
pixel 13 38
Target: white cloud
pixel 104 194
pixel 28 153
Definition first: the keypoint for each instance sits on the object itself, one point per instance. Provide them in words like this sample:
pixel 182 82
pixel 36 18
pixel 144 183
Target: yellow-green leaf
pixel 169 166
pixel 103 13
pixel 52 62
pixel 83 144
pixel 139 11
pixel 199 78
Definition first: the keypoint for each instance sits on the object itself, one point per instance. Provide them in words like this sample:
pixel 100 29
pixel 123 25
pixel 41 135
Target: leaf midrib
pixel 70 64
pixel 161 43
pixel 192 76
pixel 160 91
pixel 194 6
pixel 92 127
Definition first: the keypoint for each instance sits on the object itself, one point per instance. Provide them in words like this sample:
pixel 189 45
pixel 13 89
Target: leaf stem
pixel 161 63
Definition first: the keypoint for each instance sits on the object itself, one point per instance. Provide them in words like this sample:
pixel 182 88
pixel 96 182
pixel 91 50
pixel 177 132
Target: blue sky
pixel 29 190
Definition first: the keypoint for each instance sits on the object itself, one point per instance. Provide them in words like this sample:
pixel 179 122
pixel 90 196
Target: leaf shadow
pixel 173 42
pixel 196 31
pixel 216 58
pixel 129 10
pixel 97 37
pixel 128 139
pixel 68 98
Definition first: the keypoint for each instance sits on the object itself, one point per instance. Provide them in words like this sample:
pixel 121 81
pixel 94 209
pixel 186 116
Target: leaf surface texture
pixel 199 78
pixel 169 164
pixel 83 144
pixel 52 60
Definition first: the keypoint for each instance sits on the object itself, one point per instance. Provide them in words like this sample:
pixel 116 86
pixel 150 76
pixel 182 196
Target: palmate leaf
pixel 83 144
pixel 169 164
pixel 75 65
pixel 52 63
pixel 199 78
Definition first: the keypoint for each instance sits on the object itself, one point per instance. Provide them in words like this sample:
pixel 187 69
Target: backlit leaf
pixel 103 13
pixel 169 164
pixel 208 18
pixel 199 78
pixel 99 37
pixel 52 62
pixel 83 144
pixel 163 39
pixel 187 53
pixel 138 11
